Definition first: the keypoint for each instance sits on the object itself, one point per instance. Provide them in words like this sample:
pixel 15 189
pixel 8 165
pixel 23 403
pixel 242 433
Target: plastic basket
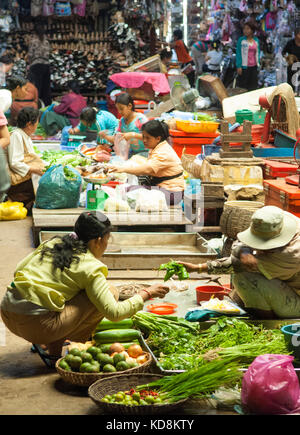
pixel 283 140
pixel 197 126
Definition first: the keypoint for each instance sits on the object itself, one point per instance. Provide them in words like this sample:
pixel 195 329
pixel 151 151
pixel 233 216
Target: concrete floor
pixel 27 385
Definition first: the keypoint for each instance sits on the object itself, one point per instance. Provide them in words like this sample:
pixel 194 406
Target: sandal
pixel 48 359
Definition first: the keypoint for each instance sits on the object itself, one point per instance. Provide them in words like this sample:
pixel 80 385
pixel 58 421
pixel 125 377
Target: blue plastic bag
pixel 59 187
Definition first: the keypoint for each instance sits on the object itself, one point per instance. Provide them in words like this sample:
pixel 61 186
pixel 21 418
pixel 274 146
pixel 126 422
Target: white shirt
pixel 214 60
pixel 15 151
pixel 5 100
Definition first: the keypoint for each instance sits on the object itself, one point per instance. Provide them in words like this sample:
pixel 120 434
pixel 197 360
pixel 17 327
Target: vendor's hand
pixel 239 71
pixel 249 262
pixel 112 168
pixel 158 290
pixel 102 147
pixel 190 267
pixel 102 134
pixel 72 131
pixel 37 169
pixel 128 136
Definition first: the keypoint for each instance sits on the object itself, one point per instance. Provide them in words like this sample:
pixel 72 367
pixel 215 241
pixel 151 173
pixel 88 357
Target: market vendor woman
pixel 60 290
pixel 265 265
pixel 163 169
pixel 96 120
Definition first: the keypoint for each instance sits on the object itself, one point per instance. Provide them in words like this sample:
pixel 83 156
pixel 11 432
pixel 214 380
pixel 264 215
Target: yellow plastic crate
pixel 197 126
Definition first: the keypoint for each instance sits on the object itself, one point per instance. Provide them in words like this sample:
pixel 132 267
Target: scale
pixel 295 179
pixel 96 197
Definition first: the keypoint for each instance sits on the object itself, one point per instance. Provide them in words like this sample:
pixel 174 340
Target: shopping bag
pixel 10 211
pixel 271 386
pixel 59 187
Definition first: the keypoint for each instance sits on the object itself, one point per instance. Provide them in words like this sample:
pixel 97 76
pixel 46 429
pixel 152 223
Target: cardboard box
pixel 212 87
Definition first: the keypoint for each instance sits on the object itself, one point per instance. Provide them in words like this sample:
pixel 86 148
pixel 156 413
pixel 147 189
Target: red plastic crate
pixel 192 142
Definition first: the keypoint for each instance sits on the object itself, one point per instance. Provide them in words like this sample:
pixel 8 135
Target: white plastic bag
pixel 152 201
pixel 121 146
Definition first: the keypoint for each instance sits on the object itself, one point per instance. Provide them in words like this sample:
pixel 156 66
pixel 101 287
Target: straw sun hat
pixel 270 228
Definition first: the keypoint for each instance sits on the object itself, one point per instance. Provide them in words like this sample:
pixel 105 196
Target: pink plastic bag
pixel 271 386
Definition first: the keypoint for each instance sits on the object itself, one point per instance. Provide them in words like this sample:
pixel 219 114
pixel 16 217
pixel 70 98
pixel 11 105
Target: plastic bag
pixel 153 201
pixel 121 146
pixel 59 187
pixel 271 386
pixel 10 211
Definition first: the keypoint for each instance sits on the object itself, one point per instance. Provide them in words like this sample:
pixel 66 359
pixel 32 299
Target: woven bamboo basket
pixel 87 379
pixel 189 166
pixel 123 383
pixel 236 216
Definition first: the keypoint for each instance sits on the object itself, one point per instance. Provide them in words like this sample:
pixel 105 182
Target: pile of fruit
pixel 105 358
pixel 134 398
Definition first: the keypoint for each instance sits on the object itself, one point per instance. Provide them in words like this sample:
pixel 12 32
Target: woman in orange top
pixel 183 56
pixel 163 169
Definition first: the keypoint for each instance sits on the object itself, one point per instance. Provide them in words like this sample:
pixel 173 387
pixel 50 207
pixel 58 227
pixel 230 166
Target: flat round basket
pixel 123 383
pixel 87 379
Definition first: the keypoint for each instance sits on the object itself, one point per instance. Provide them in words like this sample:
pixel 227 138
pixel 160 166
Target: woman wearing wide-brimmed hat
pixel 265 264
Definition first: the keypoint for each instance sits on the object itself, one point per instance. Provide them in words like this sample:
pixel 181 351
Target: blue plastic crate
pixel 273 152
pixel 283 140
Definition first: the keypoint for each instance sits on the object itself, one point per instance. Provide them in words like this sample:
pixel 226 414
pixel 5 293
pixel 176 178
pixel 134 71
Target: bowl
pixel 205 292
pixel 292 338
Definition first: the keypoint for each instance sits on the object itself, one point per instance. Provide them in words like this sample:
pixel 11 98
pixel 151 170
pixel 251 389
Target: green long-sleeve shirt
pixel 38 287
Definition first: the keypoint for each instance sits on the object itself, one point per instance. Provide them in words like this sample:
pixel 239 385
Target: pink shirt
pixel 3 120
pixel 252 54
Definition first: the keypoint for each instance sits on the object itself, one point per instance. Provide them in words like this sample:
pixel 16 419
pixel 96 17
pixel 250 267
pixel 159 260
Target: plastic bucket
pixel 292 338
pixel 242 115
pixel 205 292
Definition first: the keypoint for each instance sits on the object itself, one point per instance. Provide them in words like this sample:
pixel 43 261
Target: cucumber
pixel 107 324
pixel 116 336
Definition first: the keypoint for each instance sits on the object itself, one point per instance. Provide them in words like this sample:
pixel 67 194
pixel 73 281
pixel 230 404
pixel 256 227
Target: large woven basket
pixel 87 379
pixel 189 165
pixel 236 216
pixel 123 383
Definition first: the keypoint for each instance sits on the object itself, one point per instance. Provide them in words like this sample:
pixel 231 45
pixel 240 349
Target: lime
pixel 75 362
pixel 136 396
pixel 93 350
pixel 118 357
pixel 69 358
pixel 109 368
pixel 105 400
pixel 104 358
pixel 86 357
pixel 142 402
pixel 122 365
pixel 64 365
pixel 75 351
pixel 105 348
pixel 85 367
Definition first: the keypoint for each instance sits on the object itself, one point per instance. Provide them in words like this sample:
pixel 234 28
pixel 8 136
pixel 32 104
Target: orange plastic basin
pixel 205 292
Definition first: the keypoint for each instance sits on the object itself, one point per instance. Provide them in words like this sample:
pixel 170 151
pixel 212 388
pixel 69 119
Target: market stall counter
pixel 64 219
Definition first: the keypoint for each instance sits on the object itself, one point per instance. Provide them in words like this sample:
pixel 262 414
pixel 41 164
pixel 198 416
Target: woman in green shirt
pixel 60 290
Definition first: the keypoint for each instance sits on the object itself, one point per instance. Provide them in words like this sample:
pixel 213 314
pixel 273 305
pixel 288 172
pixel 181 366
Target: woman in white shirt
pixel 213 59
pixel 20 146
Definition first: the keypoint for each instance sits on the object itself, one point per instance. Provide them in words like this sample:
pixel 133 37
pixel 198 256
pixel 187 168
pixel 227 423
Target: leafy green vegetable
pixel 64 158
pixel 174 268
pixel 197 383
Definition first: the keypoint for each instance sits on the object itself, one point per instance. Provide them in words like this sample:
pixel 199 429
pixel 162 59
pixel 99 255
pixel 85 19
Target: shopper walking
pixel 292 52
pixel 248 59
pixel 38 61
pixel 183 56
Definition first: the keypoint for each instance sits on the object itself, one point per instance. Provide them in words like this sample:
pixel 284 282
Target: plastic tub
pixel 205 292
pixel 197 126
pixel 292 338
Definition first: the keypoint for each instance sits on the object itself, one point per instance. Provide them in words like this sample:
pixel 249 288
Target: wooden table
pixel 173 219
